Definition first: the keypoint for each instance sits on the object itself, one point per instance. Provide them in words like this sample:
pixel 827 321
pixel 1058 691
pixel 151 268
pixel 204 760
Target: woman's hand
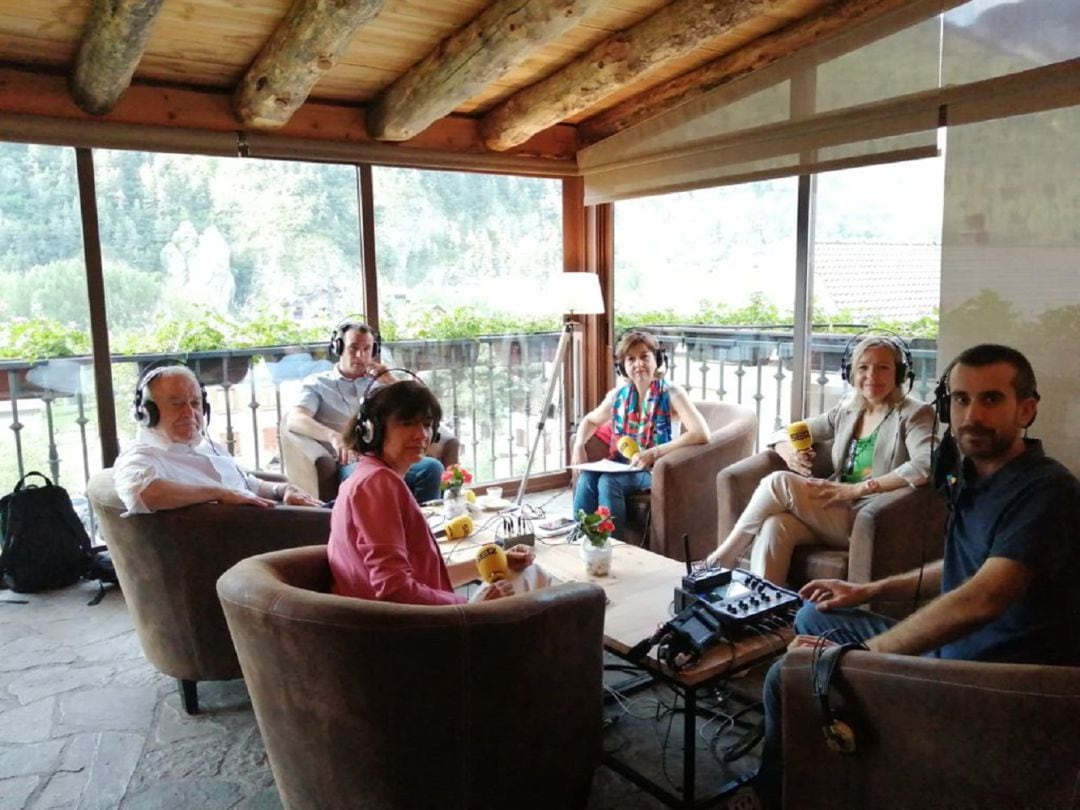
pixel 520 557
pixel 497 590
pixel 831 493
pixel 827 594
pixel 800 461
pixel 645 459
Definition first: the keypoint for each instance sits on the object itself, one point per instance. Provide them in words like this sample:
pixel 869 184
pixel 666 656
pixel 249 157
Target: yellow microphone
pixel 491 563
pixel 459 528
pixel 799 436
pixel 627 447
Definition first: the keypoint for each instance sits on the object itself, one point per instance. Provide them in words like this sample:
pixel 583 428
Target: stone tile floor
pixel 86 722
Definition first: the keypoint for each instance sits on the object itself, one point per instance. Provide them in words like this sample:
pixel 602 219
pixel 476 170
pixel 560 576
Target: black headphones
pixel 905 369
pixel 941 398
pixel 839 734
pixel 336 347
pixel 145 410
pixel 369 430
pixel 635 331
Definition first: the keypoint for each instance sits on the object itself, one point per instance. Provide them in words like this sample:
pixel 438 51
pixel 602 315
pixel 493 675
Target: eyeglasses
pixel 852 450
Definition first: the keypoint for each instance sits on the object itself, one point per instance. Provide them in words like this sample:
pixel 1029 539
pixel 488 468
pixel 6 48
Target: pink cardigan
pixel 380 544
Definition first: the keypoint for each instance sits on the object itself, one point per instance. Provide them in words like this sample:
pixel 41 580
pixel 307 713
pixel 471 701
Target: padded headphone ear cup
pixel 840 737
pixel 941 400
pixel 153 415
pixel 367 432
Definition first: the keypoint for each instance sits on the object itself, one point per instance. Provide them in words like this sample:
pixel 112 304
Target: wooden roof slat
pixel 112 44
pixel 308 42
pixel 672 32
pixel 465 63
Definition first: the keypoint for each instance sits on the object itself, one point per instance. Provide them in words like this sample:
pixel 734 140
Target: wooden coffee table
pixel 640 592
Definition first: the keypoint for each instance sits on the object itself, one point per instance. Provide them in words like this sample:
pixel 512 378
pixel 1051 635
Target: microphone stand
pixel 560 359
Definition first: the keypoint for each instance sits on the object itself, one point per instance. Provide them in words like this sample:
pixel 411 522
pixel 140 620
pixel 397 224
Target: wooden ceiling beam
pixel 308 42
pixel 829 22
pixel 112 44
pixel 469 60
pixel 46 96
pixel 670 33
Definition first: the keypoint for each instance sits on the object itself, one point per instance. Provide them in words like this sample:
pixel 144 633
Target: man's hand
pixel 243 497
pixel 810 641
pixel 827 594
pixel 294 496
pixel 344 454
pixel 831 493
pixel 520 557
pixel 798 461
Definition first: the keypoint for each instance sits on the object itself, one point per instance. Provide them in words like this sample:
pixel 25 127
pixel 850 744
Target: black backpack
pixel 43 544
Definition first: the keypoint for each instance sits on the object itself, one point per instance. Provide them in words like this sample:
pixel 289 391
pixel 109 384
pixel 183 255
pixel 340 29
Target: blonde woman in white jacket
pixel 881 441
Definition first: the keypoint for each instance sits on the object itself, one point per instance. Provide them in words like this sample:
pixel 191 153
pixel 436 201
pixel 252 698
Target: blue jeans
pixel 610 490
pixel 844 625
pixel 422 478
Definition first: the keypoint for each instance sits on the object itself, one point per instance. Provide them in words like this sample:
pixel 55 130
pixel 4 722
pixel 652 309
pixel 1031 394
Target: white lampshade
pixel 579 293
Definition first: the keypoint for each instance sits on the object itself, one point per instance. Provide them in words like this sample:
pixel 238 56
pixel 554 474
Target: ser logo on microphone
pixel 627 447
pixel 491 563
pixel 799 436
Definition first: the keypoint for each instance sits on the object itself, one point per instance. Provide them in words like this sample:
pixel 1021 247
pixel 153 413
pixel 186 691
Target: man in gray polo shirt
pixel 329 399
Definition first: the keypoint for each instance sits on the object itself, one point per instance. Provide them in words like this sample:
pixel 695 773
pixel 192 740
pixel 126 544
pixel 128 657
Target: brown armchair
pixel 168 563
pixel 312 465
pixel 381 705
pixel 933 734
pixel 895 532
pixel 682 499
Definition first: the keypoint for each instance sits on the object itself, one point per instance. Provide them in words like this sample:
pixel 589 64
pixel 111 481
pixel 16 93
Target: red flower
pixel 606 526
pixel 603 511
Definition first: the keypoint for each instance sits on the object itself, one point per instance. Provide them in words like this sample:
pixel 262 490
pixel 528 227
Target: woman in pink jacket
pixel 380 544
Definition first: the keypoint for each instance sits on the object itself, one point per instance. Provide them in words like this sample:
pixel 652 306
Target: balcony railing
pixel 491 389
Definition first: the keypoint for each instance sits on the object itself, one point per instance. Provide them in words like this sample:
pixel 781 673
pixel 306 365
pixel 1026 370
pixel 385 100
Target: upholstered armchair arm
pixel 965 717
pixel 896 532
pixel 309 464
pixel 683 489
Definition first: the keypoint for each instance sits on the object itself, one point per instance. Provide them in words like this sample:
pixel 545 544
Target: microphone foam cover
pixel 459 528
pixel 799 436
pixel 627 447
pixel 491 563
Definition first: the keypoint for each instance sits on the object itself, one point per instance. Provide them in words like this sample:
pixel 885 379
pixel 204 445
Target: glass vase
pixel 454 503
pixel 597 557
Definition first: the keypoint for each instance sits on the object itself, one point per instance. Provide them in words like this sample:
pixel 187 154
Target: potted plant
pixel 30 340
pixel 454 478
pixel 595 530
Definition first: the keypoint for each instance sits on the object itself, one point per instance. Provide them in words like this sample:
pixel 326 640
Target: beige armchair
pixel 168 563
pixel 682 499
pixel 381 705
pixel 895 532
pixel 933 734
pixel 312 465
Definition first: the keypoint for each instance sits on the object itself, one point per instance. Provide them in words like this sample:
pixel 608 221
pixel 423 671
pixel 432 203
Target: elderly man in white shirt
pixel 172 464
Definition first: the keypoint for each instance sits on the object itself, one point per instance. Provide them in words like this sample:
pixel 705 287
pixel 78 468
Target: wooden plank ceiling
pixel 519 76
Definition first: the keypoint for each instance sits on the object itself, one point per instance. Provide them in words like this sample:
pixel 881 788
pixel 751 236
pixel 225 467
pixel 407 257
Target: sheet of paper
pixel 606 466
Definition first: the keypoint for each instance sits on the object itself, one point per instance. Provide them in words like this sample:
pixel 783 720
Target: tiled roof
pixel 889 281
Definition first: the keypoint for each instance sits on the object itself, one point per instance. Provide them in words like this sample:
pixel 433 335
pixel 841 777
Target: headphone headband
pixel 645 335
pixel 368 430
pixel 905 367
pixel 336 347
pixel 144 410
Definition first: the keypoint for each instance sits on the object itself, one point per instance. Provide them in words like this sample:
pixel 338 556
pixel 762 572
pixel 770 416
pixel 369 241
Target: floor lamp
pixel 579 294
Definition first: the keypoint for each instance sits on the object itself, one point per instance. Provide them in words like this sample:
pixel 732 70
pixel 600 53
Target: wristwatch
pixel 872 485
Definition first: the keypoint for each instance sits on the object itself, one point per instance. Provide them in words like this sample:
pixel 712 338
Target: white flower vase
pixel 454 503
pixel 597 558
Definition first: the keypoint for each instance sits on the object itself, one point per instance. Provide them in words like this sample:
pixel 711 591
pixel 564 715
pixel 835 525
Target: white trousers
pixel 780 516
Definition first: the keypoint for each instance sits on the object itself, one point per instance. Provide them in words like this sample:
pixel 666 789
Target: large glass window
pixel 876 264
pixel 212 259
pixel 466 264
pixel 714 271
pixel 46 385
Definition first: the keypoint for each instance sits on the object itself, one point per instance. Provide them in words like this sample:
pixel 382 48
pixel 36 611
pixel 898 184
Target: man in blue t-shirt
pixel 1007 582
